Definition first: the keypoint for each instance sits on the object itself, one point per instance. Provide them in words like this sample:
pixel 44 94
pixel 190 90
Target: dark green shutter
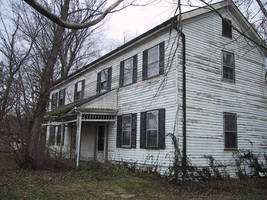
pixel 135 69
pixel 83 86
pixel 75 91
pixel 119 131
pixel 109 78
pixel 121 73
pixel 161 141
pixel 64 95
pixel 133 134
pixel 145 61
pixel 98 82
pixel 143 130
pixel 161 58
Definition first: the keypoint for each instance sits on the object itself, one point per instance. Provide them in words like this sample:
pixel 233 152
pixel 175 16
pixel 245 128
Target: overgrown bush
pixel 249 165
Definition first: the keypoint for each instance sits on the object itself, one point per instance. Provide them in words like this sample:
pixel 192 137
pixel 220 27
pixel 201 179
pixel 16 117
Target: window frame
pixel 228 66
pixel 126 145
pixel 76 91
pixel 132 71
pixel 54 101
pixel 225 130
pixel 60 104
pixel 106 81
pixel 227 24
pixel 152 63
pixel 147 138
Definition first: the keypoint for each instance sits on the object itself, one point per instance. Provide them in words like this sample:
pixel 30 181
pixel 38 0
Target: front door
pixel 101 141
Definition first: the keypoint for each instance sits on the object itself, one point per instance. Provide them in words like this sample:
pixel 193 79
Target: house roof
pixel 186 15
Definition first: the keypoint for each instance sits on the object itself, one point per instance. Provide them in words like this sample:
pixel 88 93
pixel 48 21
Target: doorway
pixel 100 143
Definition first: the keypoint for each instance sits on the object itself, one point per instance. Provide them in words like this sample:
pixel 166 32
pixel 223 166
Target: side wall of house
pixel 209 96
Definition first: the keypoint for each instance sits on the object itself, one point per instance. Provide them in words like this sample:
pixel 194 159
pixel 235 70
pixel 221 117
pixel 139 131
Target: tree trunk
pixel 46 82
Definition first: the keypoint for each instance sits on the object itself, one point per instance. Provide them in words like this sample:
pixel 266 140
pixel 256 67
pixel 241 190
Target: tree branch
pixel 56 19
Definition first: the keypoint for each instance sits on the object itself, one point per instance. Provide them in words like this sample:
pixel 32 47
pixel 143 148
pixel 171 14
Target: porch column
pixel 47 134
pixel 78 138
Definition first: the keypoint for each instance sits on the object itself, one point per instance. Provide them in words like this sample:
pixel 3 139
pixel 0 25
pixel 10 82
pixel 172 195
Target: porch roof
pixel 101 107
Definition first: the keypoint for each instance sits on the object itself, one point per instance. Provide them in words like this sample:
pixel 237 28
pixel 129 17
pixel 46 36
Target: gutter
pixel 184 158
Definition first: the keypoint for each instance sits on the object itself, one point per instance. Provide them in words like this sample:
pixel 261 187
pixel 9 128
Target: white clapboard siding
pixel 208 96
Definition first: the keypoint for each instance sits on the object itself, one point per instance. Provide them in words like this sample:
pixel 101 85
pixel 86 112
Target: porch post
pixel 47 134
pixel 79 126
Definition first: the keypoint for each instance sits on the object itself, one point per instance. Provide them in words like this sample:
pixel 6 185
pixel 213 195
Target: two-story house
pixel 123 106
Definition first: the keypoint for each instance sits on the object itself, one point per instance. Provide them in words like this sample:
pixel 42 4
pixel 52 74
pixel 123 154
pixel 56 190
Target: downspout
pixel 184 163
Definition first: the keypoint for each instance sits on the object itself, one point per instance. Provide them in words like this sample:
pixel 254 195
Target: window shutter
pixel 143 131
pixel 161 143
pixel 64 94
pixel 56 100
pixel 133 135
pixel 98 82
pixel 109 78
pixel 119 131
pixel 135 69
pixel 144 75
pixel 83 86
pixel 75 91
pixel 161 58
pixel 121 73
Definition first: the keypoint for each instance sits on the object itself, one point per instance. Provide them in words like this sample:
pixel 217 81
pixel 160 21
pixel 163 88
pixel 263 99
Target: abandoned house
pixel 204 82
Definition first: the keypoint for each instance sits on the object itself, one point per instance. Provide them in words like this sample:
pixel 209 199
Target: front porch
pixel 82 132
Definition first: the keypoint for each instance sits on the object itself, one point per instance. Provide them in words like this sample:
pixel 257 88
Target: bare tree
pixel 54 52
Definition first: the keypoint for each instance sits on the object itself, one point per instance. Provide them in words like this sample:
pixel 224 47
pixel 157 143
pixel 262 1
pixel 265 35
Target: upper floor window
pixel 230 130
pixel 104 80
pixel 228 64
pixel 61 99
pixel 153 61
pixel 54 102
pixel 79 90
pixel 126 130
pixel 227 28
pixel 152 133
pixel 128 71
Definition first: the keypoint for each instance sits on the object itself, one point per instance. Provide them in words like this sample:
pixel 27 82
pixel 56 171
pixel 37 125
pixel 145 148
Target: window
pixel 54 101
pixel 227 28
pixel 104 80
pixel 56 136
pixel 128 71
pixel 61 100
pixel 153 61
pixel 152 128
pixel 79 90
pixel 152 133
pixel 126 130
pixel 230 130
pixel 228 61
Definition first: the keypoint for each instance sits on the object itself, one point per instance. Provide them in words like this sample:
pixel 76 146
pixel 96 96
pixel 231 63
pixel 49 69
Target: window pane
pixel 126 137
pixel 152 69
pixel 152 138
pixel 228 59
pixel 228 73
pixel 79 86
pixel 152 120
pixel 126 129
pixel 104 75
pixel 230 123
pixel 230 140
pixel 153 54
pixel 128 71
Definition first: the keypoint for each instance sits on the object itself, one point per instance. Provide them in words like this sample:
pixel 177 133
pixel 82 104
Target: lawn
pixel 96 181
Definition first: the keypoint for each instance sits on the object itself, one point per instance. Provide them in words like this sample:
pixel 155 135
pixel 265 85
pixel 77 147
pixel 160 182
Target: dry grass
pixel 109 182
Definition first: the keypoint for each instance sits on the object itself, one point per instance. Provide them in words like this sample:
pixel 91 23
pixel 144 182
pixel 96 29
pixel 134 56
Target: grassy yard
pixel 109 182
